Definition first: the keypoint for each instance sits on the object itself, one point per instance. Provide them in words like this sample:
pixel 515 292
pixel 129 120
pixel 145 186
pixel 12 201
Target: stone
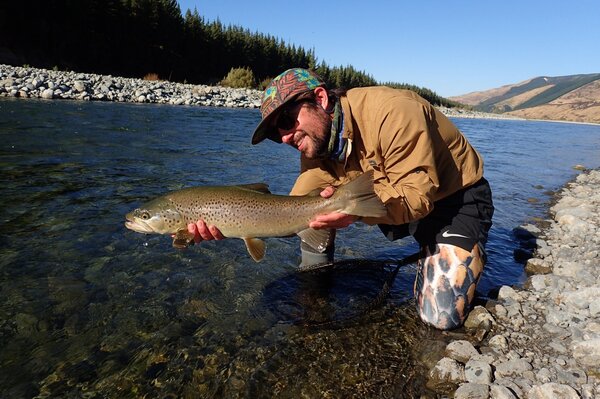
pixel 572 377
pixel 446 375
pixel 501 392
pixel 472 391
pixel 478 372
pixel 587 353
pixel 507 293
pixel 595 308
pixel 552 390
pixel 514 388
pixel 460 350
pixel 48 94
pixel 479 317
pixel 537 266
pixel 499 343
pixel 79 86
pixel 536 282
pixel 512 368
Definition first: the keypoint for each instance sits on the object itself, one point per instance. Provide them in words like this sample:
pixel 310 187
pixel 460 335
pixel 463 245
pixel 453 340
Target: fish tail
pixel 360 198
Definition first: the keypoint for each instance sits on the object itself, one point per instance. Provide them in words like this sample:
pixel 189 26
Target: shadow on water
pixel 90 309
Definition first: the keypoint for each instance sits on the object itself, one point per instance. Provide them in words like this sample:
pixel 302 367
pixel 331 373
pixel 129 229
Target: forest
pixel 135 38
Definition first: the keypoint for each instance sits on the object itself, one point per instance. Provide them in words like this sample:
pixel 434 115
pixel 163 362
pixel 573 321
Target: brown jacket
pixel 417 154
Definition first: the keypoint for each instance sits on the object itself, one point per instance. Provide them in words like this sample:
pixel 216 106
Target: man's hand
pixel 333 220
pixel 202 232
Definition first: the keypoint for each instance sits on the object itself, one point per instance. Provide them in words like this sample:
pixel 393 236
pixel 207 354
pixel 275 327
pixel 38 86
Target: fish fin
pixel 361 198
pixel 182 239
pixel 315 193
pixel 258 187
pixel 317 239
pixel 255 247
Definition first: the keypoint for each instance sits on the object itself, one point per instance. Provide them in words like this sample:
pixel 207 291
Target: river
pixel 91 309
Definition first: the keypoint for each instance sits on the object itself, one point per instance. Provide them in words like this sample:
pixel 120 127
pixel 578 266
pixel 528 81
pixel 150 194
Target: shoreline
pixel 21 82
pixel 542 340
pixel 28 82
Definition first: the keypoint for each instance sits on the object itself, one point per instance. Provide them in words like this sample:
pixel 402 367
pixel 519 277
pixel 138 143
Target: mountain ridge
pixel 574 98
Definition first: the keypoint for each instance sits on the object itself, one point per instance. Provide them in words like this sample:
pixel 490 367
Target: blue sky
pixel 450 47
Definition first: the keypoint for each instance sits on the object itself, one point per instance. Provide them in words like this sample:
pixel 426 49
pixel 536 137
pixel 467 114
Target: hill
pixel 574 98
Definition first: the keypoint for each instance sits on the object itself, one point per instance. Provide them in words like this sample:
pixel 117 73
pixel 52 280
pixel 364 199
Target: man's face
pixel 306 127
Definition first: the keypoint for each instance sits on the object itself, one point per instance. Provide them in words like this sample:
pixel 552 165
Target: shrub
pixel 263 85
pixel 239 78
pixel 151 76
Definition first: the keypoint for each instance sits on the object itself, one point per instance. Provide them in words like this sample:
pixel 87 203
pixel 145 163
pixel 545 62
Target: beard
pixel 320 135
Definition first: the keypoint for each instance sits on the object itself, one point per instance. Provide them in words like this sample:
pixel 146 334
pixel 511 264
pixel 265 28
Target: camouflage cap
pixel 283 89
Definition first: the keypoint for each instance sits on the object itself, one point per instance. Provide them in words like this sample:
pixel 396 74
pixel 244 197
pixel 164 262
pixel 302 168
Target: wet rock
pixel 479 318
pixel 446 375
pixel 461 351
pixel 537 266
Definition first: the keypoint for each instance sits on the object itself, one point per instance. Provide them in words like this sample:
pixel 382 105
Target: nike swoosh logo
pixel 445 234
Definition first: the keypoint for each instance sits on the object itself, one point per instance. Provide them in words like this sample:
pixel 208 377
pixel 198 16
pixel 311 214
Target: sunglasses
pixel 288 117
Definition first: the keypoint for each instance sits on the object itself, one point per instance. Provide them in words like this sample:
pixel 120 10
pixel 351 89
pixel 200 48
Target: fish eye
pixel 145 215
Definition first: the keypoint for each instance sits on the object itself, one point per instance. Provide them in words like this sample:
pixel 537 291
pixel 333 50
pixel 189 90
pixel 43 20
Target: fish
pixel 251 212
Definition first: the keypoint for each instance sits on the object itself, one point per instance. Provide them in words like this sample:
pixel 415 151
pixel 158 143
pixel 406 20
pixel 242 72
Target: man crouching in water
pixel 426 173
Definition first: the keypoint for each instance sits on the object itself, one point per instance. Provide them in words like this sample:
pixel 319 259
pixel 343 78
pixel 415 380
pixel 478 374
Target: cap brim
pixel 266 130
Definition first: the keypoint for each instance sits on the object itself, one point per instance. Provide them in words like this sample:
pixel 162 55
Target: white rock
pixel 478 372
pixel 587 353
pixel 472 391
pixel 460 350
pixel 448 370
pixel 552 391
pixel 48 94
pixel 501 392
pixel 512 368
pixel 498 342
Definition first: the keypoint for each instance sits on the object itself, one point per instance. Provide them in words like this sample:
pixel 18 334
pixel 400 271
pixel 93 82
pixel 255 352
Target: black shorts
pixel 462 219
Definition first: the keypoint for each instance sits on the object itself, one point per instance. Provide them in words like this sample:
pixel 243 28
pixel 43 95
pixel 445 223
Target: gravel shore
pixel 542 341
pixel 26 82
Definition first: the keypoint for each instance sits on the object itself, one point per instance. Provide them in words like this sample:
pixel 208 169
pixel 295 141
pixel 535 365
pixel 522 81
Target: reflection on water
pixel 88 308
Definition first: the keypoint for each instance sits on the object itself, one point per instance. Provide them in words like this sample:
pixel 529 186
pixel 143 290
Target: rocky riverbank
pixel 542 341
pixel 26 82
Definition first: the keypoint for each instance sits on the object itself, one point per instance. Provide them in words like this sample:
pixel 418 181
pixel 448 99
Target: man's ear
pixel 322 98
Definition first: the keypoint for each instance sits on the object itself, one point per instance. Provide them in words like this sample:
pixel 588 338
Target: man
pixel 426 173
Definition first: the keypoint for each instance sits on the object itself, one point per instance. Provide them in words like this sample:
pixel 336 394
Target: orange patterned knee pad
pixel 445 285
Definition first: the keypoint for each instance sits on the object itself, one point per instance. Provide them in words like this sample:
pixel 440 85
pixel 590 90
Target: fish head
pixel 154 217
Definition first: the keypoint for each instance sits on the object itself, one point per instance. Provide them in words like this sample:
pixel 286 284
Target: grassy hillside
pixel 574 98
pixel 560 85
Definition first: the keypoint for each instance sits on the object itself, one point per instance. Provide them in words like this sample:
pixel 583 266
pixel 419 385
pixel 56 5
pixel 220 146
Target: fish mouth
pixel 138 226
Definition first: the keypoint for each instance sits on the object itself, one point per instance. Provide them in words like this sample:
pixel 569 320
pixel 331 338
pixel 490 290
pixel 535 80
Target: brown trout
pixel 251 211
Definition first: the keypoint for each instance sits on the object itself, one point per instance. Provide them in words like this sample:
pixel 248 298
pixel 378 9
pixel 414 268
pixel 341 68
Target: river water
pixel 91 309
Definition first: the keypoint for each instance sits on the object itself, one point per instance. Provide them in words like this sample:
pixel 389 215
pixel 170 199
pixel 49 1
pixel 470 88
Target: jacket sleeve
pixel 408 179
pixel 312 177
